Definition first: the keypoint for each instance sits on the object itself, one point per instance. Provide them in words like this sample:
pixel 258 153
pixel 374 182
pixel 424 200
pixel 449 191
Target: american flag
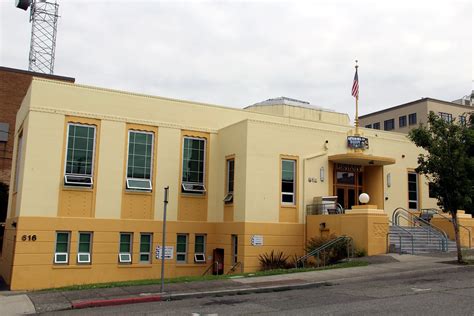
pixel 355 86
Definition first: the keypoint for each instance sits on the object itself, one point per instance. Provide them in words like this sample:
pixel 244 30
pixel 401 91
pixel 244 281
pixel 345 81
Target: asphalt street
pixel 449 292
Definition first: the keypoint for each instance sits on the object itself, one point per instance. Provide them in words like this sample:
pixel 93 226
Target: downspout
pixel 304 182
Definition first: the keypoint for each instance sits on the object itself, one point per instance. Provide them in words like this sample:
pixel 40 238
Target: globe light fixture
pixel 364 198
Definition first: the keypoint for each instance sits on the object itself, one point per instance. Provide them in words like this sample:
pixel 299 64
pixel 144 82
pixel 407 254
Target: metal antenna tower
pixel 44 22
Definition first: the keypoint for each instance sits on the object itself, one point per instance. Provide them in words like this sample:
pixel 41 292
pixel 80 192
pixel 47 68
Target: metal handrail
pixel 339 209
pixel 324 247
pixel 234 266
pixel 442 235
pixel 408 232
pixel 450 220
pixel 209 268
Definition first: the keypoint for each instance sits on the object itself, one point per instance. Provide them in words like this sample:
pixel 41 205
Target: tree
pixel 448 164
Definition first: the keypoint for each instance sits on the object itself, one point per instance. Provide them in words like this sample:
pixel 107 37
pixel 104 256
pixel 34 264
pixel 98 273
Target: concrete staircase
pixel 425 240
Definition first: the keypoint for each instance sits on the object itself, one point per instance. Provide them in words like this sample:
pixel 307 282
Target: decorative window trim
pixel 129 185
pixel 185 253
pixel 229 197
pixel 194 187
pixel 74 179
pixel 62 253
pixel 293 194
pixel 146 253
pixel 122 256
pixel 82 253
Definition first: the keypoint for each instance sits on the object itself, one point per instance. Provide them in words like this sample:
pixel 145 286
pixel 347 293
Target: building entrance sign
pixel 357 142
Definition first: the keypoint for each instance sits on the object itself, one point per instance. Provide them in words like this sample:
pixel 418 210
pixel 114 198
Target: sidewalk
pixel 391 265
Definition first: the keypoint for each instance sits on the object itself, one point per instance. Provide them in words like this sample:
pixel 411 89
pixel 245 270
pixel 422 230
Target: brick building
pixel 14 84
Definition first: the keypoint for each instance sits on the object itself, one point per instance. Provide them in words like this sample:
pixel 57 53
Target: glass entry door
pixel 348 181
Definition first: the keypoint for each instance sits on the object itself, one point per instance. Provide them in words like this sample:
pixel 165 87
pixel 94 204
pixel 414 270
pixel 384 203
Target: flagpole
pixel 356 121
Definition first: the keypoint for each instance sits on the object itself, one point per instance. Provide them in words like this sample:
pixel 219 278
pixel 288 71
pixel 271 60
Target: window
pixel 235 248
pixel 412 190
pixel 80 155
pixel 402 121
pixel 145 248
pixel 368 126
pixel 84 249
pixel 229 198
pixel 447 117
pixel 61 254
pixel 412 119
pixel 181 248
pixel 18 160
pixel 388 125
pixel 194 157
pixel 125 250
pixel 288 171
pixel 139 161
pixel 200 248
pixel 376 125
pixel 4 131
pixel 462 120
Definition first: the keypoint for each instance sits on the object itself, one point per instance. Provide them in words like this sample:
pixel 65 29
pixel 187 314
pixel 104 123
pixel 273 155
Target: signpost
pixel 163 244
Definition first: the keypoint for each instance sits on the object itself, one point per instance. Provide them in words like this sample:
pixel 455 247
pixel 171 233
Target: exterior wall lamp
pixel 389 180
pixel 321 174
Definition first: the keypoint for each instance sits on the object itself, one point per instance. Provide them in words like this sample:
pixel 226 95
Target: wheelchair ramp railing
pixel 426 237
pixel 300 262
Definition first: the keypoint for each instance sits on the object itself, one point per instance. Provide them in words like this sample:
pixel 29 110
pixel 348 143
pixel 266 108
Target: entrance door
pixel 346 196
pixel 348 184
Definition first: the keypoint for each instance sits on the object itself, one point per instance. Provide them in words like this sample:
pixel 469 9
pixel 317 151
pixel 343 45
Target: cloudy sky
pixel 237 53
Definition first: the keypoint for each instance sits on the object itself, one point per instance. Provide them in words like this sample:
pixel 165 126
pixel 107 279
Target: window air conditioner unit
pixel 125 257
pixel 61 257
pixel 139 184
pixel 83 257
pixel 78 180
pixel 199 258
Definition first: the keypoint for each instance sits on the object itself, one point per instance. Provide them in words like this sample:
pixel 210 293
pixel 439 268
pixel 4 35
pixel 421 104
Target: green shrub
pixel 331 255
pixel 273 261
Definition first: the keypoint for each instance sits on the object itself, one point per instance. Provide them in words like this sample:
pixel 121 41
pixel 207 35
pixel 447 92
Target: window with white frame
pixel 194 162
pixel 80 155
pixel 84 247
pixel 181 248
pixel 413 190
pixel 140 160
pixel 200 248
pixel 61 253
pixel 288 185
pixel 125 248
pixel 145 247
pixel 229 197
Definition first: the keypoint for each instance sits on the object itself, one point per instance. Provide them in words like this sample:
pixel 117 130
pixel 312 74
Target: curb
pixel 115 301
pixel 149 297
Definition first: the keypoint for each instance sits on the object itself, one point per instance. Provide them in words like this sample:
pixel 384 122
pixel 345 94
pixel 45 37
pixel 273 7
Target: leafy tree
pixel 448 164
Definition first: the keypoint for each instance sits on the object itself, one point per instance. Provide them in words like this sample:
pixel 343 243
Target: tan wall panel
pixel 111 167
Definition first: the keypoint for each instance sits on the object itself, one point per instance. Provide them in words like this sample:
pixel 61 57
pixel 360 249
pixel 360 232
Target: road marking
pixel 414 289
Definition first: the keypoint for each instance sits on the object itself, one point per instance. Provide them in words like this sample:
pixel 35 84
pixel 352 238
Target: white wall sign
pixel 256 240
pixel 168 252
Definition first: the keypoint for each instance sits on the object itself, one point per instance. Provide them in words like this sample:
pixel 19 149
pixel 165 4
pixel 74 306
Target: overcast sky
pixel 236 53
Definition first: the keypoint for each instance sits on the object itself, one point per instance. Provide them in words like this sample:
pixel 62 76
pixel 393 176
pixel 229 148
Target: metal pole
pixel 163 243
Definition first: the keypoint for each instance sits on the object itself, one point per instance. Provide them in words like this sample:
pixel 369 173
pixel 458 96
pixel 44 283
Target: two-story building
pixel 90 166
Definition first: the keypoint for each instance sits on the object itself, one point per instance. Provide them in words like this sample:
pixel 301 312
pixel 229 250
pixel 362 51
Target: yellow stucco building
pixel 90 165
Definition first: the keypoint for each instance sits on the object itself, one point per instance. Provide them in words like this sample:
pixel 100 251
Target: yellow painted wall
pixel 33 261
pixel 369 231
